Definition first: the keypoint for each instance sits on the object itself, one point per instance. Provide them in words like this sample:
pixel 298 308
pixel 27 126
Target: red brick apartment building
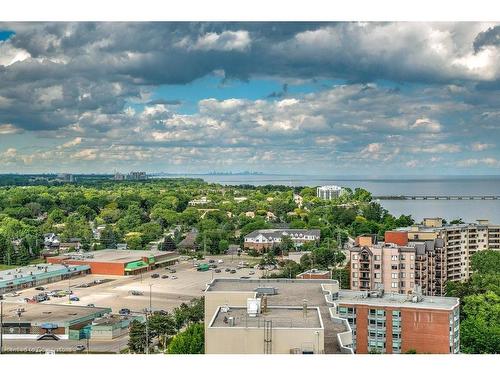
pixel 396 323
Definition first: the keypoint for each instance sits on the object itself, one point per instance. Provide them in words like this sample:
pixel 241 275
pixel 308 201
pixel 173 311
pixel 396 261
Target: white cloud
pixel 226 41
pixel 6 129
pixel 478 146
pixel 72 143
pixel 425 124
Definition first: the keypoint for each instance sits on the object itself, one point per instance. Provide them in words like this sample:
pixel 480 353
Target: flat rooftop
pixel 281 317
pixel 33 272
pixel 47 313
pixel 396 300
pixel 115 256
pixel 291 292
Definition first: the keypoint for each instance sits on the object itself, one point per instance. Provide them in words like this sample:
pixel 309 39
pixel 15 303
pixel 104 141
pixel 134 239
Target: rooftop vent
pixel 270 291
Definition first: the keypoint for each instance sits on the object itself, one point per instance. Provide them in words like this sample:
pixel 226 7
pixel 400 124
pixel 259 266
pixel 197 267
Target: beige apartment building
pixel 274 316
pixel 382 265
pixel 461 241
pixel 312 316
pixel 398 266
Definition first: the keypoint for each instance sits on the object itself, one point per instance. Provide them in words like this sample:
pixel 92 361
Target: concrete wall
pixel 240 340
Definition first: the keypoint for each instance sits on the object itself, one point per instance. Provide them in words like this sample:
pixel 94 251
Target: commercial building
pixel 267 238
pixel 283 316
pixel 118 262
pixel 38 274
pixel 460 242
pixel 110 327
pixel 32 321
pixel 328 192
pixel 398 266
pixel 272 316
pixel 398 323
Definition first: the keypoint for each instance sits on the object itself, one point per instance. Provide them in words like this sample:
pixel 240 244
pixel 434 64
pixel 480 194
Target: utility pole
pixel 147 333
pixel 1 327
pixel 150 303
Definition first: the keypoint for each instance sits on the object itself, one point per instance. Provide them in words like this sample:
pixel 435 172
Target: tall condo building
pixel 398 266
pixel 328 192
pixel 459 241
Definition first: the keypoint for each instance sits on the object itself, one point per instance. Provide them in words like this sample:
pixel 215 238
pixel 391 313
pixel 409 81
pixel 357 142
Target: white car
pixel 173 277
pixel 13 294
pixel 220 261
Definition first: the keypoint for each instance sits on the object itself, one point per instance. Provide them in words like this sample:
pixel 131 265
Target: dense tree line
pixel 480 304
pixel 141 212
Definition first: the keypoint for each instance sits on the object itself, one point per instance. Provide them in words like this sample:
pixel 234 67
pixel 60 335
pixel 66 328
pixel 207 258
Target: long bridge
pixel 437 197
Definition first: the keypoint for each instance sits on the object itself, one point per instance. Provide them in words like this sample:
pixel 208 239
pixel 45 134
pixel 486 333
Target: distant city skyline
pixel 394 98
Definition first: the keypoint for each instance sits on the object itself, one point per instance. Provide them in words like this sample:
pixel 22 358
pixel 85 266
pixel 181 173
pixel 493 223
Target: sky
pixel 348 98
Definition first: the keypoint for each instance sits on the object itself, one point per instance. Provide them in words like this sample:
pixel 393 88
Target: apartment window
pixel 376 266
pixel 403 274
pixel 412 257
pixel 394 266
pixel 377 257
pixel 354 266
pixel 377 275
pixel 354 283
pixel 355 257
pixel 394 257
pixel 354 274
pixel 394 275
pixel 394 285
pixel 403 257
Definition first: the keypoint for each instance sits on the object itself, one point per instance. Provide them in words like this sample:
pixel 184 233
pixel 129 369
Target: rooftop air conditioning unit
pixel 253 307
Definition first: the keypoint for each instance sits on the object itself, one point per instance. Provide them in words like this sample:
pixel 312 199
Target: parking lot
pixel 166 293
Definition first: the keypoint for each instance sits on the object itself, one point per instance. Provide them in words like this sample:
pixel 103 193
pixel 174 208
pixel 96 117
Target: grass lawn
pixel 6 267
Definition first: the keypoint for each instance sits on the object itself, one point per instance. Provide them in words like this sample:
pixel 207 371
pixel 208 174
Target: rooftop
pixel 284 232
pixel 46 313
pixel 33 272
pixel 282 317
pixel 114 255
pixel 397 300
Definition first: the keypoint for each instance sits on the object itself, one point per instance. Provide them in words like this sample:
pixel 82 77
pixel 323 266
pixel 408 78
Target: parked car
pixel 74 299
pixel 174 277
pixel 217 270
pixel 227 269
pixel 39 288
pixel 136 293
pixel 251 273
pixel 220 261
pixel 80 348
pixel 124 311
pixel 211 261
pixel 164 276
pixel 155 275
pixel 98 281
pixel 173 271
pixel 232 271
pixel 90 305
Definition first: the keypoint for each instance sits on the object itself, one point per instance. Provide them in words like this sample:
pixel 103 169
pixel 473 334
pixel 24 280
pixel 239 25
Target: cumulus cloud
pixel 403 92
pixel 478 146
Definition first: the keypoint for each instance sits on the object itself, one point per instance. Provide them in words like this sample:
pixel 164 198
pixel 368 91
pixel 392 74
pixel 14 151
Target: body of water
pixel 469 211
